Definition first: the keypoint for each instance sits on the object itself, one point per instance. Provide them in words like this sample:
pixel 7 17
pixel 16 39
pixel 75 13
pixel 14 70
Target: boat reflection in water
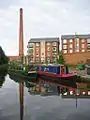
pixel 44 87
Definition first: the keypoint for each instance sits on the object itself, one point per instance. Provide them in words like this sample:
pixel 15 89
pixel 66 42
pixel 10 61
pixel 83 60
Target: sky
pixel 41 18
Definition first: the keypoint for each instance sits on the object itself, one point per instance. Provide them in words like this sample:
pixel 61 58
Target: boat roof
pixel 53 65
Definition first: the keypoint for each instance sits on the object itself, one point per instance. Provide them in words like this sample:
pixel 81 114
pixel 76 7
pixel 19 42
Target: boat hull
pixel 58 76
pixel 69 81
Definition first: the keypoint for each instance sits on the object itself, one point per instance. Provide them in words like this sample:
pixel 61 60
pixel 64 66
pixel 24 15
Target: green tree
pixel 60 59
pixel 3 58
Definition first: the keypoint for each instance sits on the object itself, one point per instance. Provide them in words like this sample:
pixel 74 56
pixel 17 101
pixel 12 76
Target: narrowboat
pixel 55 71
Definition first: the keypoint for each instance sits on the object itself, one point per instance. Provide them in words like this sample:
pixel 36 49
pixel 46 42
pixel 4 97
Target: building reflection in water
pixel 21 95
pixel 44 87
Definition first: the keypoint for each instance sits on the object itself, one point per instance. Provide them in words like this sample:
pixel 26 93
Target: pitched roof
pixel 44 39
pixel 87 36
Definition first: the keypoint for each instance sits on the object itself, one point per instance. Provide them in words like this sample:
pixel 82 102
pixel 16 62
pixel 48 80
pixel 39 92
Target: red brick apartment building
pixel 76 48
pixel 43 50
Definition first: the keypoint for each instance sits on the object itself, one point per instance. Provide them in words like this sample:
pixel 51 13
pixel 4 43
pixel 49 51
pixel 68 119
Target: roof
pixel 44 39
pixel 87 36
pixel 14 57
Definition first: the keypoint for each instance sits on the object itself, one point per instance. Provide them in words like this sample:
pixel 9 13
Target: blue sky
pixel 41 18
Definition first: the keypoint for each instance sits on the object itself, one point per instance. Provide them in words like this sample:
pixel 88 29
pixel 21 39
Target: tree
pixel 3 58
pixel 60 59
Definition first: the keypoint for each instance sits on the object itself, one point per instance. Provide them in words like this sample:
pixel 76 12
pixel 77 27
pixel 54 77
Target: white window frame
pixel 64 46
pixel 77 50
pixel 83 40
pixel 64 41
pixel 71 46
pixel 70 40
pixel 71 51
pixel 30 45
pixel 37 44
pixel 83 45
pixel 54 43
pixel 48 43
pixel 65 52
pixel 83 50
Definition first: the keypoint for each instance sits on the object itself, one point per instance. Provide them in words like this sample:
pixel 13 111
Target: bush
pixel 61 59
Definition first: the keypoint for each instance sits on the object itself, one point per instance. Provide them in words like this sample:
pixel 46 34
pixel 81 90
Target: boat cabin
pixel 56 69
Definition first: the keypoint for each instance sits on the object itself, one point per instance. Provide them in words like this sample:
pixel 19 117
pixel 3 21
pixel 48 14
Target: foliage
pixel 60 60
pixel 14 64
pixel 3 58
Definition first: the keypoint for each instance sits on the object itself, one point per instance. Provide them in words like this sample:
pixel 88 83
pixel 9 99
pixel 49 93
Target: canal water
pixel 25 100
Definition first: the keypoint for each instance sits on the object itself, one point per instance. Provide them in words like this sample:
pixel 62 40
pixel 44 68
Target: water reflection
pixel 21 94
pixel 44 87
pixel 3 73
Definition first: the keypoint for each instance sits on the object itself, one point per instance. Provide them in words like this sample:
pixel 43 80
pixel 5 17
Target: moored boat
pixel 55 71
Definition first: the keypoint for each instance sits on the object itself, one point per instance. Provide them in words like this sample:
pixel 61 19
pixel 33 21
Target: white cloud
pixel 42 18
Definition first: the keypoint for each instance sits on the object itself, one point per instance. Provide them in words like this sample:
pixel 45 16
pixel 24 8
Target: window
pixel 37 54
pixel 77 43
pixel 71 41
pixel 42 53
pixel 65 51
pixel 71 45
pixel 30 45
pixel 54 43
pixel 42 58
pixel 48 49
pixel 88 41
pixel 37 50
pixel 77 47
pixel 64 46
pixel 77 50
pixel 82 45
pixel 83 50
pixel 77 40
pixel 37 44
pixel 48 59
pixel 48 54
pixel 37 59
pixel 82 40
pixel 48 43
pixel 71 51
pixel 64 41
pixel 54 48
pixel 88 46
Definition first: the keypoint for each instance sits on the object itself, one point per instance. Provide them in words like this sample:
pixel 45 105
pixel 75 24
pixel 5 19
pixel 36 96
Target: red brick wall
pixel 75 58
pixel 14 57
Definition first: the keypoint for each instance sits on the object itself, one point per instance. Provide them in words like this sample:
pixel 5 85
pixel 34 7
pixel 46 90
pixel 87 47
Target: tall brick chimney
pixel 21 44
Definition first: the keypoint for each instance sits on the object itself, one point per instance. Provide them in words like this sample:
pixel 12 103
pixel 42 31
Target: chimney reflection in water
pixel 21 94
